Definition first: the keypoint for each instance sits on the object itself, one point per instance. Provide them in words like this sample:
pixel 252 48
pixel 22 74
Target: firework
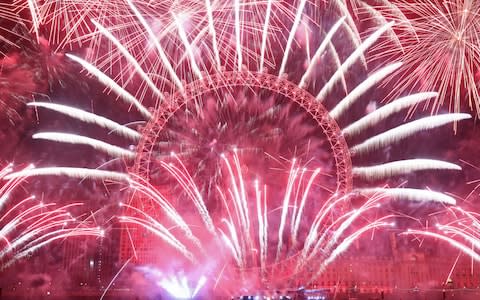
pixel 28 225
pixel 440 50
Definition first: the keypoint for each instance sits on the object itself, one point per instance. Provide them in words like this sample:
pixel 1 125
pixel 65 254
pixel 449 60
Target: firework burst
pixel 440 50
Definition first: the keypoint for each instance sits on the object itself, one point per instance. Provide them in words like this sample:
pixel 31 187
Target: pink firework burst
pixel 440 48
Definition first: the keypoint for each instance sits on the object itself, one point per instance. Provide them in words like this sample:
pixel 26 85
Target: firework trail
pixel 440 50
pixel 28 225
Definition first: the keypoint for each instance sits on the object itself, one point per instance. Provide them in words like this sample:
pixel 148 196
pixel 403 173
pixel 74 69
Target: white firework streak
pixel 146 189
pixel 296 218
pixel 412 195
pixel 80 173
pixel 351 60
pixel 347 242
pixel 298 18
pixel 238 38
pixel 83 140
pixel 159 48
pixel 189 186
pixel 130 59
pixel 188 47
pixel 262 224
pixel 239 199
pixel 67 22
pixel 402 167
pixel 286 203
pixel 380 18
pixel 34 11
pixel 321 49
pixel 9 12
pixel 385 111
pixel 152 225
pixel 122 93
pixel 331 233
pixel 403 131
pixel 264 35
pixel 91 118
pixel 351 29
pixel 440 48
pixel 371 80
pixel 213 33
